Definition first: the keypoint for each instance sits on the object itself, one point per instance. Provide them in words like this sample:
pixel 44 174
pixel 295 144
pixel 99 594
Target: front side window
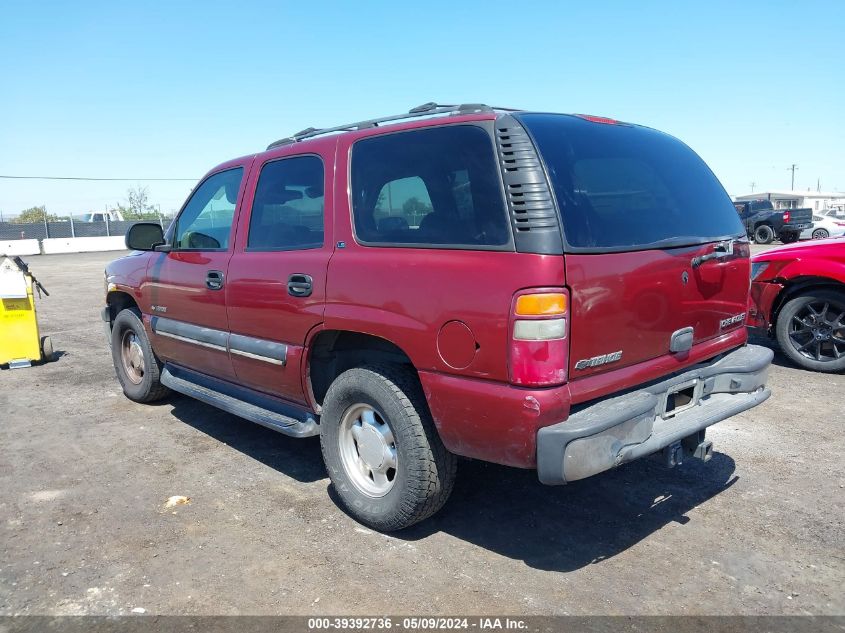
pixel 437 186
pixel 206 221
pixel 287 212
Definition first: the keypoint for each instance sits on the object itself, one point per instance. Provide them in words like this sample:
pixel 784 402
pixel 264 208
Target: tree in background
pixel 34 214
pixel 415 209
pixel 138 205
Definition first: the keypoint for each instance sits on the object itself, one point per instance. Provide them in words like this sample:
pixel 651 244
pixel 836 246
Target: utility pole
pixel 752 185
pixel 792 168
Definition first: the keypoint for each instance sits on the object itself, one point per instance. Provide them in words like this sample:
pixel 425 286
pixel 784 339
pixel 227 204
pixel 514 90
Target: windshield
pixel 623 187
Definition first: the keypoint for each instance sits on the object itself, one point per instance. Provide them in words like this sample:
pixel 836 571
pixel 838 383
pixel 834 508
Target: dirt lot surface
pixel 85 474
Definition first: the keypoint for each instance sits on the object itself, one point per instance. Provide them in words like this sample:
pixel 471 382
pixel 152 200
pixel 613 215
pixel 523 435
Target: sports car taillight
pixel 539 325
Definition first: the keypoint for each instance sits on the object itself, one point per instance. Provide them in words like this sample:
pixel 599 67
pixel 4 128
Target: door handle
pixel 214 280
pixel 300 285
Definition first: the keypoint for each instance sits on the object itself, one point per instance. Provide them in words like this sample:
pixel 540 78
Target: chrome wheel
pixel 367 450
pixel 820 234
pixel 817 331
pixel 132 356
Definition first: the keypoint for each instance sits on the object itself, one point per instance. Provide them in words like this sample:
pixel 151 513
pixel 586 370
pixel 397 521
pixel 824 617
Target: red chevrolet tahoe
pixel 558 292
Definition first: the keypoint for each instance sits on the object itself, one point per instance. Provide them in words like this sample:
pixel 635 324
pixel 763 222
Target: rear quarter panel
pixel 408 295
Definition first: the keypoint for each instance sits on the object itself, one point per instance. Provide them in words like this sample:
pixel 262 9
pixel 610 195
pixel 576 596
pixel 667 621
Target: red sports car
pixel 798 296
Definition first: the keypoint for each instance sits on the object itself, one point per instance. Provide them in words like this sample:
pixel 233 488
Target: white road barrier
pixel 82 244
pixel 20 247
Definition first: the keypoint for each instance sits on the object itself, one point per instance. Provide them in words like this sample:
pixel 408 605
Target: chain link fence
pixel 84 225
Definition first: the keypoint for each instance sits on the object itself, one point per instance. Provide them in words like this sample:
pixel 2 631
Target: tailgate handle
pixel 722 249
pixel 681 340
pixel 299 285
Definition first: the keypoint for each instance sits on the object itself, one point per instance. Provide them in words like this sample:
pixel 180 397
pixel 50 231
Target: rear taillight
pixel 786 216
pixel 539 326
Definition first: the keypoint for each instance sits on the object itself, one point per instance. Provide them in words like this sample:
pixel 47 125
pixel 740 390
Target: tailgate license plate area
pixel 681 397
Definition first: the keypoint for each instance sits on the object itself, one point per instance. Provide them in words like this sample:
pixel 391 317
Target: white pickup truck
pixel 111 216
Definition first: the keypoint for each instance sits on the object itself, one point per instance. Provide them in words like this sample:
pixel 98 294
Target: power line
pixel 87 178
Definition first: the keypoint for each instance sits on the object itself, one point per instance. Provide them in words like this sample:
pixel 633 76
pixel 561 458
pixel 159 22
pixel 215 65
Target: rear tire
pixel 808 333
pixel 789 238
pixel 384 457
pixel 764 234
pixel 137 368
pixel 821 234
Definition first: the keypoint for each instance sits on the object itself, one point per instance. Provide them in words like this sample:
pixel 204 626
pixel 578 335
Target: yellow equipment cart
pixel 20 344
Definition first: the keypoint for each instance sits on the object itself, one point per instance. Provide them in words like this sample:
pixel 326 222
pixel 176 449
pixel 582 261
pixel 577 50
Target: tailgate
pixel 633 302
pixel 639 209
pixel 798 216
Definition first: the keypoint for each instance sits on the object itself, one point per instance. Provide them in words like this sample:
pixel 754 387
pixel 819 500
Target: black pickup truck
pixel 763 222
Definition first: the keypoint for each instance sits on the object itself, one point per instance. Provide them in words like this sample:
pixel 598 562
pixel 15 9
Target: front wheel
pixel 137 368
pixel 383 455
pixel 821 234
pixel 811 330
pixel 764 234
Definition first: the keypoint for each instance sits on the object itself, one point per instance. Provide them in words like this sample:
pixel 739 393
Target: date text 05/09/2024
pixel 416 623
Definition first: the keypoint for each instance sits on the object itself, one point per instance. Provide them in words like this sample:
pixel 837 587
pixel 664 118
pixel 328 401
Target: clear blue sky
pixel 169 89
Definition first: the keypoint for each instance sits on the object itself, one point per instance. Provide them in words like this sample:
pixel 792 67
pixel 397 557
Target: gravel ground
pixel 85 473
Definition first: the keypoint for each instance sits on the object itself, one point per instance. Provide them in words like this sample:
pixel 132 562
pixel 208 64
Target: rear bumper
pixel 796 227
pixel 627 427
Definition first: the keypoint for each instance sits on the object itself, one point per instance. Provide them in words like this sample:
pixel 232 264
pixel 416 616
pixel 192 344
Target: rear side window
pixel 432 187
pixel 624 187
pixel 287 211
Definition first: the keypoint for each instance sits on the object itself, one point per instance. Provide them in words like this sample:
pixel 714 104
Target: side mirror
pixel 144 236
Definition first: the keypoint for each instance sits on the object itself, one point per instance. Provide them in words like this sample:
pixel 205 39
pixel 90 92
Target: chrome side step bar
pixel 241 402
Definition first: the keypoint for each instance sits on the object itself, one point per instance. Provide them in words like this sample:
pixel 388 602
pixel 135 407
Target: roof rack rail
pixel 426 109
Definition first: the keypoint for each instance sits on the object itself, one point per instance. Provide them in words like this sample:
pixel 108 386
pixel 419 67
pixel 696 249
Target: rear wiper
pixel 672 242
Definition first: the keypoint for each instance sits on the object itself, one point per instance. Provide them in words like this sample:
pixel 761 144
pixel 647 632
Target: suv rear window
pixel 624 187
pixel 436 186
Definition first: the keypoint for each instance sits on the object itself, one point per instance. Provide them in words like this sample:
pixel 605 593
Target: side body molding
pixel 256 348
